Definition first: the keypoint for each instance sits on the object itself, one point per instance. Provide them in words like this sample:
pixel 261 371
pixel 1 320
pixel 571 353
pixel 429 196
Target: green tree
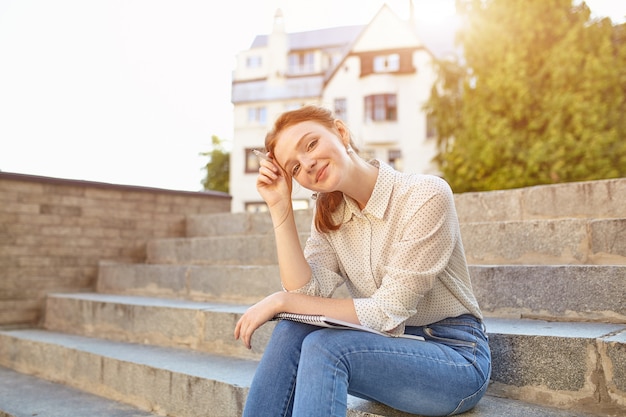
pixel 538 98
pixel 218 168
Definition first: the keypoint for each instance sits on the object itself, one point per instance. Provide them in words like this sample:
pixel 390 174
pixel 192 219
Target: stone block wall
pixel 54 233
pixel 600 199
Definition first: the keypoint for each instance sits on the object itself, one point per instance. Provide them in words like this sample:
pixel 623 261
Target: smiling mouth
pixel 320 173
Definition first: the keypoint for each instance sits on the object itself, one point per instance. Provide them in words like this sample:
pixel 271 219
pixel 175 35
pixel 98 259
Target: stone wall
pixel 600 199
pixel 54 233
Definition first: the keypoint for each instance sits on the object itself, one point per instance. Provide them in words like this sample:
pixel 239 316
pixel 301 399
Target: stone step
pixel 558 363
pixel 231 224
pixel 232 283
pixel 545 242
pixel 555 361
pixel 199 326
pixel 24 395
pixel 547 292
pixel 182 383
pixel 220 250
pixel 167 381
pixel 552 292
pixel 603 199
pixel 489 406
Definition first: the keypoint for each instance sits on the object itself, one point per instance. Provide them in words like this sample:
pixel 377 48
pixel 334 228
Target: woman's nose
pixel 308 163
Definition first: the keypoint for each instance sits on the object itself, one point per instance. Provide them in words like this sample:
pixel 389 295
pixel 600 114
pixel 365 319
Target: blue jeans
pixel 308 371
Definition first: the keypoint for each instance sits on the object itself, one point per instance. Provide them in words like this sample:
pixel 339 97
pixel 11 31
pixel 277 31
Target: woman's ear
pixel 344 133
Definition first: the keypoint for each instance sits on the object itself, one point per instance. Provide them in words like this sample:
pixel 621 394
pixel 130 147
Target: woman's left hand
pixel 256 316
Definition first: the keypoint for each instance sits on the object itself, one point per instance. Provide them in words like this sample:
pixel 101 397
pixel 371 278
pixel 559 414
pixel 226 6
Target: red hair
pixel 326 203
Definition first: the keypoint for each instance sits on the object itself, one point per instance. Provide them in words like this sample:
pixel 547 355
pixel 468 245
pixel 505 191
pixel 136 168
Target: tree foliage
pixel 539 96
pixel 217 176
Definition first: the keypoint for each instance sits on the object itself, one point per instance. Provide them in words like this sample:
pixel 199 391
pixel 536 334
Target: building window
pixel 387 63
pixel 381 107
pixel 252 161
pixel 254 61
pixel 395 159
pixel 397 62
pixel 341 109
pixel 257 115
pixel 301 63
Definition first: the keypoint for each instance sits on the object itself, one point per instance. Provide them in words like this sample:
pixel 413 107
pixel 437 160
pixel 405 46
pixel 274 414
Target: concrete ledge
pixel 26 396
pixel 552 292
pixel 558 364
pixel 199 326
pixel 164 380
pixel 229 224
pixel 586 292
pixel 489 406
pixel 241 284
pixel 587 199
pixel 221 250
pixel 176 382
pixel 545 242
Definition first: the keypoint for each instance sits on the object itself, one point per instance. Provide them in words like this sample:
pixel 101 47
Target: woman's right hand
pixel 272 185
pixel 256 316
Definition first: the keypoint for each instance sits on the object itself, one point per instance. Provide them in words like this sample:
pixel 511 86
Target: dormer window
pixel 387 63
pixel 254 61
pixel 398 61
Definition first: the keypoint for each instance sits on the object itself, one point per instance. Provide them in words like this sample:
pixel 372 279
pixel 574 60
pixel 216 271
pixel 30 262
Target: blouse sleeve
pixel 423 252
pixel 325 274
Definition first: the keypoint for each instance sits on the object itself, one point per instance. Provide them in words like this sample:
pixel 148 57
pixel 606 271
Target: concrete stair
pixel 26 396
pixel 548 265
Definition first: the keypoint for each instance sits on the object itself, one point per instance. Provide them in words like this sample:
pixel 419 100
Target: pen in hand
pixel 261 155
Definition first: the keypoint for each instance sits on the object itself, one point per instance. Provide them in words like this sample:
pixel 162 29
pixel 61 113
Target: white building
pixel 375 77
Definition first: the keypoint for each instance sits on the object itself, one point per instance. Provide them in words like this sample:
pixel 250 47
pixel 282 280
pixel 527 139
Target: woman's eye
pixel 311 145
pixel 295 169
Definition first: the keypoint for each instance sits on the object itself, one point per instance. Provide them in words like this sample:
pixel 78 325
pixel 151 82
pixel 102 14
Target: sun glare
pixel 434 12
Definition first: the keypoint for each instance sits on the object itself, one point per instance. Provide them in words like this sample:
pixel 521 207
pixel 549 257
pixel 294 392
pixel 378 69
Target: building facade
pixel 375 77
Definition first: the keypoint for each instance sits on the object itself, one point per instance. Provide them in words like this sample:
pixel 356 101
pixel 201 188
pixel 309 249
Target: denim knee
pixel 288 333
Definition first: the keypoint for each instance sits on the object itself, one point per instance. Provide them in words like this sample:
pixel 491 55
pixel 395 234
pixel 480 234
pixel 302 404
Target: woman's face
pixel 313 155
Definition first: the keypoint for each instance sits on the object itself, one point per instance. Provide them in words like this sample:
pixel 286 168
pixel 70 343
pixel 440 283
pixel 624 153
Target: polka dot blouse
pixel 401 257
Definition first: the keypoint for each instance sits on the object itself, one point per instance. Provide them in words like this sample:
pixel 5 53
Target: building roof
pixel 438 40
pixel 316 39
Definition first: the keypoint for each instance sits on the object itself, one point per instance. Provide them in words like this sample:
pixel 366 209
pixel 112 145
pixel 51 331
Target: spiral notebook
pixel 323 321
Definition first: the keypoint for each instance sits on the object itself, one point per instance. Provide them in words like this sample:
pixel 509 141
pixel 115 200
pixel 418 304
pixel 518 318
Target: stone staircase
pixel 548 265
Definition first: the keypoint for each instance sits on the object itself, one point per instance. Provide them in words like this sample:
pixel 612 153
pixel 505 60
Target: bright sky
pixel 130 92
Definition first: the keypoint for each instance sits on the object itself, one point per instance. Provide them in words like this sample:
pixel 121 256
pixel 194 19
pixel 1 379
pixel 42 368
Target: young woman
pixel 394 240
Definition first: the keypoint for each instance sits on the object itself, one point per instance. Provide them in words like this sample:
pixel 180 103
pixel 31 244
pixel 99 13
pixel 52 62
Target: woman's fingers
pixel 254 318
pixel 268 173
pixel 269 164
pixel 240 333
pixel 244 331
